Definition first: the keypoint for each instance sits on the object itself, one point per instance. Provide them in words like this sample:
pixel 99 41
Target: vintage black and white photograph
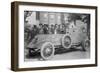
pixel 52 36
pixel 56 36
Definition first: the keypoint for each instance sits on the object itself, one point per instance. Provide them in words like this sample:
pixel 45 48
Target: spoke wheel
pixel 66 41
pixel 47 51
pixel 86 45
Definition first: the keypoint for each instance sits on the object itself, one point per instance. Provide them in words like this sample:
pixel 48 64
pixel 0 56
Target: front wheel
pixel 47 50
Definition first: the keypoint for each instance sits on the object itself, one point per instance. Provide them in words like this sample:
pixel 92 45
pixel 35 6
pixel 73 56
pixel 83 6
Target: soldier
pixel 52 29
pixel 46 29
pixel 40 29
pixel 34 32
pixel 58 29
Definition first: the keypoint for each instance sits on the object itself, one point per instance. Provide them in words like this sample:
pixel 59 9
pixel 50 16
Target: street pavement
pixel 63 54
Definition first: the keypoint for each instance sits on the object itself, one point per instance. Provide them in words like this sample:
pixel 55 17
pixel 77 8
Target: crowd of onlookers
pixel 45 29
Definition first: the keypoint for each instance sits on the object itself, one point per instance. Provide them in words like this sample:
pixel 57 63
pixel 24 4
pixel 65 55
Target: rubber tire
pixel 63 42
pixel 42 49
pixel 84 43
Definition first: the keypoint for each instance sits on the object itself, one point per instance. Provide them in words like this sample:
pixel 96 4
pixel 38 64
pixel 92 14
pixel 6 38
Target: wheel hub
pixel 47 51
